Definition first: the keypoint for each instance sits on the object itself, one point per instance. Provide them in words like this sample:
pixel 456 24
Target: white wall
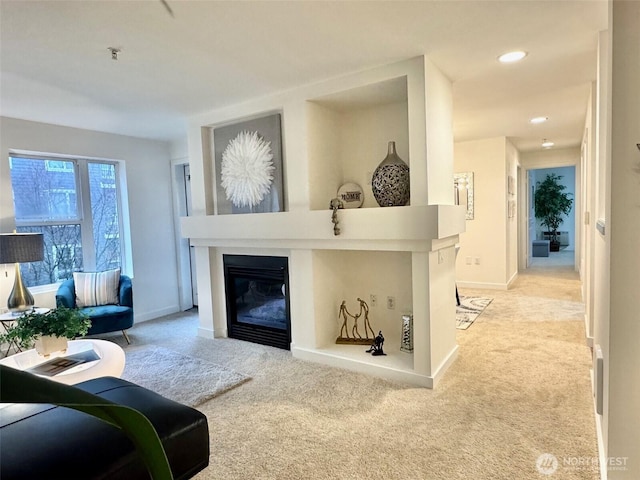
pixel 150 208
pixel 486 235
pixel 601 247
pixel 623 226
pixel 179 148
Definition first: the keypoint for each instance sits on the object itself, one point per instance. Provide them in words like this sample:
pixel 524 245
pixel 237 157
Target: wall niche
pixel 348 136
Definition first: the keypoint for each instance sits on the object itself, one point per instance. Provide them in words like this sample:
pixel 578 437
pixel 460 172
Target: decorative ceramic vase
pixel 47 344
pixel 390 181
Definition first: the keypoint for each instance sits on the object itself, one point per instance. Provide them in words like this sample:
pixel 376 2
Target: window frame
pixel 83 206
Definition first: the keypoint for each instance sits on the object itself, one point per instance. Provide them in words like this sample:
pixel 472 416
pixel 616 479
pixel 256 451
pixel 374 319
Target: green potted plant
pixel 551 203
pixel 50 331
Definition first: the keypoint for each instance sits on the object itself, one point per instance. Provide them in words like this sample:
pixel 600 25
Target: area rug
pixel 185 379
pixel 469 309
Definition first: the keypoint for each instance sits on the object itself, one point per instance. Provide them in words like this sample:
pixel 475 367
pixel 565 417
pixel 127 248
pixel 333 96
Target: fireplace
pixel 257 297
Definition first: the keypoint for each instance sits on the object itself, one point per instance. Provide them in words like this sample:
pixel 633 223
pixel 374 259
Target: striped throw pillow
pixel 97 288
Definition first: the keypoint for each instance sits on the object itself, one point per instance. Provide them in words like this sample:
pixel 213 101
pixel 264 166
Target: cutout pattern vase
pixel 390 181
pixel 406 339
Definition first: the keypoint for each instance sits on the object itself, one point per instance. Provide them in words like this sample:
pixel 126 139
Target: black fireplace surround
pixel 257 297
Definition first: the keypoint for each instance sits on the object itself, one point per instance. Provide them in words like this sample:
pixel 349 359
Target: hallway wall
pixel 489 246
pixel 623 227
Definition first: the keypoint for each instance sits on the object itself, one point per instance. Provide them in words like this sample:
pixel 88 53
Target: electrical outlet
pixel 468 260
pixel 476 260
pixel 373 300
pixel 391 303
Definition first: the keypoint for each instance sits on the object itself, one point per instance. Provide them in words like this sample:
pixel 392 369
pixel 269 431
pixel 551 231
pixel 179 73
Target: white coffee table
pixel 111 362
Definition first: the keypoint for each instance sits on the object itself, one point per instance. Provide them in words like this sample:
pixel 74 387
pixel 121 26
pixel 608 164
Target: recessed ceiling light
pixel 547 144
pixel 511 57
pixel 536 120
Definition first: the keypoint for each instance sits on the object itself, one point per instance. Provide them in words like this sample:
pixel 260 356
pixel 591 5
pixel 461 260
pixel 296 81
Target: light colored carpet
pixel 519 388
pixel 469 309
pixel 182 378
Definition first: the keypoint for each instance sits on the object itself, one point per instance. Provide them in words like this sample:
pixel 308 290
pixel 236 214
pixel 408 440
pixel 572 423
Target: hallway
pixel 530 344
pixel 563 258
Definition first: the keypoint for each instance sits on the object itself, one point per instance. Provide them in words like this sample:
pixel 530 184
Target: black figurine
pixel 376 348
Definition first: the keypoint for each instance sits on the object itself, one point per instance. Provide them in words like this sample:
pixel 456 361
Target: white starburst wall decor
pixel 248 166
pixel 247 169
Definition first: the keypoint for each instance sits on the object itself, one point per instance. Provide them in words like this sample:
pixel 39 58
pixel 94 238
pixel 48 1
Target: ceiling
pixel 56 67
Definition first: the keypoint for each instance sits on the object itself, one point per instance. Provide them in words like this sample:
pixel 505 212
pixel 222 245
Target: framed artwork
pixel 463 191
pixel 248 166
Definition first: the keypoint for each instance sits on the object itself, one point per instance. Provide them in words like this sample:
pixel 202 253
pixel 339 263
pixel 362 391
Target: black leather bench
pixel 45 441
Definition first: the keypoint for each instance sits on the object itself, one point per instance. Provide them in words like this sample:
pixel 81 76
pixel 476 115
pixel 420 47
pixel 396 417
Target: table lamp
pixel 20 248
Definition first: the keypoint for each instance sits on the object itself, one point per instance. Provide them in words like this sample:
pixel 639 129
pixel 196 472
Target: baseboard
pixel 482 286
pixel 588 338
pixel 388 373
pixel 206 333
pixel 143 317
pixel 513 278
pixel 444 366
pixel 602 454
pixel 334 358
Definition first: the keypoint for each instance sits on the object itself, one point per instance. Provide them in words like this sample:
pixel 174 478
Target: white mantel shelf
pixel 409 228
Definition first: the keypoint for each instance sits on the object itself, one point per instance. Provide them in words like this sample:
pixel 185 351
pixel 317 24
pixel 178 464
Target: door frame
pixel 186 286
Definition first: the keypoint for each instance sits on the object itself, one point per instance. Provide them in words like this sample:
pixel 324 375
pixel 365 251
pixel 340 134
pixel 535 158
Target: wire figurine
pixel 355 338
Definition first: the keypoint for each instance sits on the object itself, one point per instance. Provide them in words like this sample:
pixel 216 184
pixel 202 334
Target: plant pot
pixel 554 246
pixel 48 344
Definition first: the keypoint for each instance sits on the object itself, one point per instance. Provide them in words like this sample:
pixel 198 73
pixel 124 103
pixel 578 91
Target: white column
pixel 422 340
pixel 301 299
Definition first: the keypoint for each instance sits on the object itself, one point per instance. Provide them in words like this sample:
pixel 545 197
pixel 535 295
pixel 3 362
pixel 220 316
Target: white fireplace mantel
pixel 421 238
pixel 408 228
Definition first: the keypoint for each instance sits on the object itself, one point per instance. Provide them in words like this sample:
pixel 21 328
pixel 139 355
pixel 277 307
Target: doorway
pixel 566 257
pixel 186 257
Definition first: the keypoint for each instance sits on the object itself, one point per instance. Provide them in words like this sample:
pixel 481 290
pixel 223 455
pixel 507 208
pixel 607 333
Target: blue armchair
pixel 104 318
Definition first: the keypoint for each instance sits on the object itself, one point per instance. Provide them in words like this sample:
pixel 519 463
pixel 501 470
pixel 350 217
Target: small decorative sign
pixel 351 195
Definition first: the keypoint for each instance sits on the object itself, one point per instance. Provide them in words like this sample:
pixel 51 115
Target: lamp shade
pixel 21 247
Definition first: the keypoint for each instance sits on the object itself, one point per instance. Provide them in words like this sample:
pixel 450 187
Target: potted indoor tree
pixel 49 331
pixel 551 203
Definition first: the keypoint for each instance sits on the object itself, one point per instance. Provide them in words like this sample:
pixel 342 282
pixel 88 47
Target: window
pixel 75 203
